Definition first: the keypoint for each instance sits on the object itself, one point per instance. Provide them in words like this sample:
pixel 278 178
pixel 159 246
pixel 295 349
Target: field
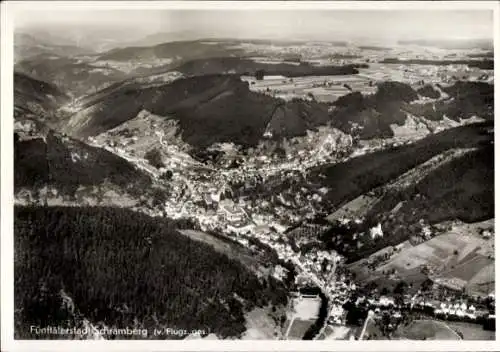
pixel 233 251
pixel 472 331
pixel 260 325
pixel 323 88
pixel 304 314
pixel 372 331
pixel 356 208
pixel 298 328
pixel 458 258
pixel 339 332
pixel 427 330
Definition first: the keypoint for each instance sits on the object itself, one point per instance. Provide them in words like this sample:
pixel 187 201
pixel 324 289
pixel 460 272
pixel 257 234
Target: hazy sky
pixel 300 24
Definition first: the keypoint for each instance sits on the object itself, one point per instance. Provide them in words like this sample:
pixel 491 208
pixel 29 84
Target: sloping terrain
pixel 35 98
pixel 181 50
pixel 72 75
pixel 209 109
pixel 242 66
pixel 485 64
pixel 359 175
pixel 372 116
pixel 485 44
pixel 51 166
pixel 459 259
pixel 466 99
pixel 426 330
pixel 120 269
pixel 26 46
pixel 460 188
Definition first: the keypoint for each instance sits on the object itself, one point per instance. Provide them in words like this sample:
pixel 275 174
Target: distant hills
pixel 222 108
pixel 36 98
pixel 241 66
pixel 183 50
pixel 210 109
pixel 486 64
pixel 31 45
pixel 72 75
pixel 486 44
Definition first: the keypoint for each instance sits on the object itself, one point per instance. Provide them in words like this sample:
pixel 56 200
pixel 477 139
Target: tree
pixel 259 75
pixel 427 285
pixel 154 158
pixel 167 175
pixel 400 288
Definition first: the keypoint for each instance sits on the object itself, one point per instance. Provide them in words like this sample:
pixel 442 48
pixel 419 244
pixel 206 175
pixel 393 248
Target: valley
pixel 258 190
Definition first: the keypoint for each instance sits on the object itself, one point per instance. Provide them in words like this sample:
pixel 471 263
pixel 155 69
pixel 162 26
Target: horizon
pixel 371 26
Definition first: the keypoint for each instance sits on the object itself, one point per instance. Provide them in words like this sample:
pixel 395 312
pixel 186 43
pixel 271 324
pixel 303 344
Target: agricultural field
pixel 298 329
pixel 414 73
pixel 356 208
pixel 339 332
pixel 231 249
pixel 323 88
pixel 459 258
pixel 362 267
pixel 304 313
pixel 260 325
pixel 427 330
pixel 471 331
pixel 372 331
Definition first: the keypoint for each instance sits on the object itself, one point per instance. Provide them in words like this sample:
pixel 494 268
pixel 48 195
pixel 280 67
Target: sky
pixel 380 26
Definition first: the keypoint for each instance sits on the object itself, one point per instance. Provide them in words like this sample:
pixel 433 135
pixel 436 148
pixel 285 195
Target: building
pixel 229 212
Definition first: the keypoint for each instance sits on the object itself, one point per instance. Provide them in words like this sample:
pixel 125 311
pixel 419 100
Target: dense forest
pixel 67 164
pixel 462 188
pixel 373 114
pixel 482 64
pixel 467 99
pixel 124 269
pixel 241 66
pixel 359 175
pixel 32 96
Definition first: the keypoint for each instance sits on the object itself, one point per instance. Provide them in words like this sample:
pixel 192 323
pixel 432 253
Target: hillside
pixel 28 45
pixel 459 259
pixel 116 268
pixel 460 188
pixel 209 109
pixel 179 50
pixel 426 330
pixel 241 66
pixel 466 99
pixel 357 176
pixel 35 98
pixel 372 116
pixel 64 170
pixel 485 64
pixel 485 44
pixel 74 76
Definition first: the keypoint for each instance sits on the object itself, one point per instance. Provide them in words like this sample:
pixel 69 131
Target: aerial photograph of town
pixel 267 174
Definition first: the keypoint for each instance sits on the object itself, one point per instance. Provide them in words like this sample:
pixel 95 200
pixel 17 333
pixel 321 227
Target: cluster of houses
pixel 455 310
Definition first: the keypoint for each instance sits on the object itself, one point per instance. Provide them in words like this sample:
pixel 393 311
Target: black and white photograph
pixel 214 173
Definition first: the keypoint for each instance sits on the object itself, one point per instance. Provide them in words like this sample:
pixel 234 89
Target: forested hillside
pixel 357 176
pixel 35 97
pixel 68 164
pixel 124 269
